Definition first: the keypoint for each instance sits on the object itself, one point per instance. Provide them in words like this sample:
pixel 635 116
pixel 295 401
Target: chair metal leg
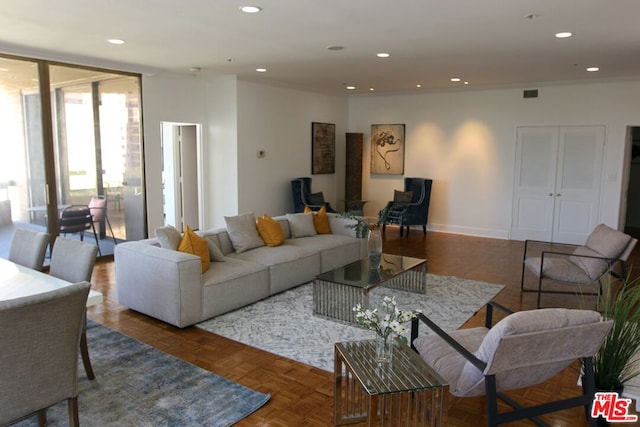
pixel 93 227
pixel 111 229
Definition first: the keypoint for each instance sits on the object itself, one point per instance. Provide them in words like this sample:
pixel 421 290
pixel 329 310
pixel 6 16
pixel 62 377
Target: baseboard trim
pixel 469 231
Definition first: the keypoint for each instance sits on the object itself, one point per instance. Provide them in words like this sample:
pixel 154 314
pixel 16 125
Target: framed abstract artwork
pixel 387 149
pixel 323 148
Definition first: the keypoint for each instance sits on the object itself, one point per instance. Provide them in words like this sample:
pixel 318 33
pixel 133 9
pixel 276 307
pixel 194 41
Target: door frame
pixel 167 130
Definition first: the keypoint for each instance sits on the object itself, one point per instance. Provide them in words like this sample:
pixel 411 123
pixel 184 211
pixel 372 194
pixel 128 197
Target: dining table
pixel 17 281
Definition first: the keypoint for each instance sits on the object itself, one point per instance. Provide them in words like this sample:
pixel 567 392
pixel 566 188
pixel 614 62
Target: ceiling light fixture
pixel 116 41
pixel 593 69
pixel 351 87
pixel 371 89
pixel 564 35
pixel 456 79
pixel 250 9
pixel 335 47
pixel 418 85
pixel 382 55
pixel 261 70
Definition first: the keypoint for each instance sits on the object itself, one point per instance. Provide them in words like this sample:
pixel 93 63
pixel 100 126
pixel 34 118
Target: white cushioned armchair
pixel 522 350
pixel 605 250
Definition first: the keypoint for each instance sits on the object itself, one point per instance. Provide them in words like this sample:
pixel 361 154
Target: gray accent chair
pixel 39 359
pixel 604 254
pixel 73 261
pixel 522 350
pixel 28 248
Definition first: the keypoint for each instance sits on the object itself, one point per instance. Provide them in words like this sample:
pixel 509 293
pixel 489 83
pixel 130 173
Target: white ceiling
pixel 488 43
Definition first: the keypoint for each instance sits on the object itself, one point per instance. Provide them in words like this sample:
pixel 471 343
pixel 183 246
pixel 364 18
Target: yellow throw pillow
pixel 320 220
pixel 191 243
pixel 270 231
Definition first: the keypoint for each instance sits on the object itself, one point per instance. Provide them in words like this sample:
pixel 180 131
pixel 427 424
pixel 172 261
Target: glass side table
pixel 404 392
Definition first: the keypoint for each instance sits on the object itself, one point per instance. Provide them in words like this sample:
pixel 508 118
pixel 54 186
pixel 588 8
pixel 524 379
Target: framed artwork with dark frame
pixel 323 148
pixel 387 149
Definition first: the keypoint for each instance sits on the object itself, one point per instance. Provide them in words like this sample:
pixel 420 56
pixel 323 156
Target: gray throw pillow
pixel 243 232
pixel 316 199
pixel 402 198
pixel 169 237
pixel 301 224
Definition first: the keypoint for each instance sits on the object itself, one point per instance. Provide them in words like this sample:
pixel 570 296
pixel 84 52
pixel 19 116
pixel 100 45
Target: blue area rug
pixel 137 385
pixel 284 324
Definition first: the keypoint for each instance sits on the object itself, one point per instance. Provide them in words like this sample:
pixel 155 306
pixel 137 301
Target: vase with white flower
pixel 387 323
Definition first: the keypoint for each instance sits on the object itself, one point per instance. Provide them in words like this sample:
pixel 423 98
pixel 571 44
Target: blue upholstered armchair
pixel 302 196
pixel 409 207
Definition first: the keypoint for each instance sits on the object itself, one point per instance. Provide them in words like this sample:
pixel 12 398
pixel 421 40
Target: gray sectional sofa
pixel 168 285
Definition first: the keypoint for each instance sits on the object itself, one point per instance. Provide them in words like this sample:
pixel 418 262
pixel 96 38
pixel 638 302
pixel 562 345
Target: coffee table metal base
pixel 335 301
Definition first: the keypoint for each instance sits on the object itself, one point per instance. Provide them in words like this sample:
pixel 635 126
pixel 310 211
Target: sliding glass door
pixel 81 141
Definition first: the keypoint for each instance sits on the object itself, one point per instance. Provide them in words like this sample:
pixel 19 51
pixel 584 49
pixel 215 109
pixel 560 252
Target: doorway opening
pixel 181 174
pixel 632 218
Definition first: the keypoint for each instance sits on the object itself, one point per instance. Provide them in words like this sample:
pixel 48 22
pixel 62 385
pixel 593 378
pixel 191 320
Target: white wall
pixel 278 121
pixel 170 98
pixel 465 141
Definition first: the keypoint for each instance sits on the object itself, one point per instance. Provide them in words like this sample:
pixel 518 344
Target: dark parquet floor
pixel 303 395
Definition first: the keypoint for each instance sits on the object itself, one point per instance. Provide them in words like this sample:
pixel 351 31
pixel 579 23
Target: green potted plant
pixel 618 359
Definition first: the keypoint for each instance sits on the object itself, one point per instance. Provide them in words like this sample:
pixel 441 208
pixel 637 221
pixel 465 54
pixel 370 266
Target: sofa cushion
pixel 191 243
pixel 168 237
pixel 301 224
pixel 270 231
pixel 243 232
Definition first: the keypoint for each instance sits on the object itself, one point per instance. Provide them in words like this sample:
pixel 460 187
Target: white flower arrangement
pixel 390 320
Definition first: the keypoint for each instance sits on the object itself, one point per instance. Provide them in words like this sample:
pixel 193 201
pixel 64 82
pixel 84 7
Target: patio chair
pixel 409 207
pixel 39 358
pixel 604 250
pixel 522 350
pixel 98 209
pixel 77 219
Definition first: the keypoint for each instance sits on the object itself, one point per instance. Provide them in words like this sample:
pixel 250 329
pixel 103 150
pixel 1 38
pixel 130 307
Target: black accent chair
pixel 409 212
pixel 77 219
pixel 523 350
pixel 302 196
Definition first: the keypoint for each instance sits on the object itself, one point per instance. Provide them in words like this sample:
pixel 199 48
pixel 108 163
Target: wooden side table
pixel 406 392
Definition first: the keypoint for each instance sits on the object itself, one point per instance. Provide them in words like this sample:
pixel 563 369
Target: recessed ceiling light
pixel 418 85
pixel 466 83
pixel 382 55
pixel 335 47
pixel 456 79
pixel 593 69
pixel 371 89
pixel 261 70
pixel 351 87
pixel 563 35
pixel 250 9
pixel 116 41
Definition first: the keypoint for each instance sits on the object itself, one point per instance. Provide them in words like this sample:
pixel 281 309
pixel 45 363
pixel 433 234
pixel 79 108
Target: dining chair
pixel 77 219
pixel 98 208
pixel 73 261
pixel 28 248
pixel 39 357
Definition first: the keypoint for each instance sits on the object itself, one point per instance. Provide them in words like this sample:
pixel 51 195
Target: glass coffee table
pixel 336 292
pixel 404 392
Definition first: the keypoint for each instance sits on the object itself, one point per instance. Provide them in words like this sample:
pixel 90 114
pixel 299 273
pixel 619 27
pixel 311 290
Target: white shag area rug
pixel 285 325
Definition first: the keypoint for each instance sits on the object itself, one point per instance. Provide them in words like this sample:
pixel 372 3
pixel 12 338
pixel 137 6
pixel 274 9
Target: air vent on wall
pixel 530 93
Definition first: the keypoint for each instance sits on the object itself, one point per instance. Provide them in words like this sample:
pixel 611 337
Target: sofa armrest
pixel 159 282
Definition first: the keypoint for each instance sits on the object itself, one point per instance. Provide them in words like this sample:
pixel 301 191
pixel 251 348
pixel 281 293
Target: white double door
pixel 558 177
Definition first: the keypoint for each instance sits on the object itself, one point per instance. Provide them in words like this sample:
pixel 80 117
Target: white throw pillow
pixel 169 237
pixel 301 224
pixel 243 232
